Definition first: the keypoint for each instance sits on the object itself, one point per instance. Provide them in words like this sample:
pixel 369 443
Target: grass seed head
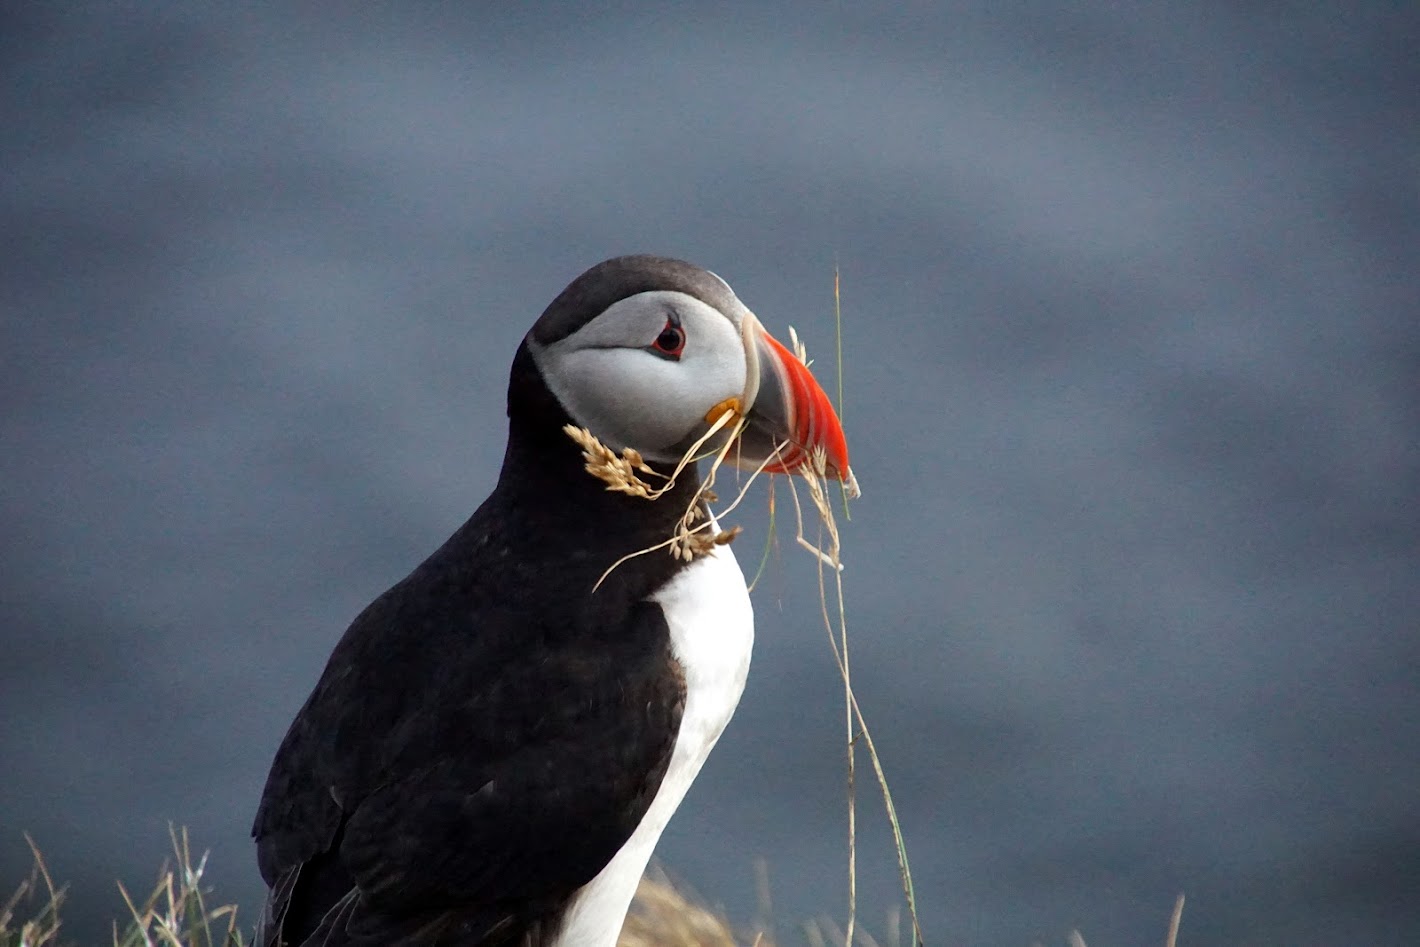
pixel 620 472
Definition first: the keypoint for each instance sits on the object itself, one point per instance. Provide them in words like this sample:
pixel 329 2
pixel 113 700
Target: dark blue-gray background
pixel 1132 346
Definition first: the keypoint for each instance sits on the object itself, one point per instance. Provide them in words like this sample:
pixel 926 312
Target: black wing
pixel 422 795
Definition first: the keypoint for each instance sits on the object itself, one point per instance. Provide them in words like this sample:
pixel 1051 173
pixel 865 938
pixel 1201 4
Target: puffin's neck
pixel 543 468
pixel 544 487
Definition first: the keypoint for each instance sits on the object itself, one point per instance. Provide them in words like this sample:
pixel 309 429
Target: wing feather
pixel 456 820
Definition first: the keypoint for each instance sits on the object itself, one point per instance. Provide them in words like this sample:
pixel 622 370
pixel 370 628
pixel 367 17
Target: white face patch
pixel 610 380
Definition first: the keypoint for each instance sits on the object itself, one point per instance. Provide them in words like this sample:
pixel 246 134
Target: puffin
pixel 498 741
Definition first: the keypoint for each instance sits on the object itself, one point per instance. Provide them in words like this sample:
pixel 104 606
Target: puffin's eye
pixel 671 342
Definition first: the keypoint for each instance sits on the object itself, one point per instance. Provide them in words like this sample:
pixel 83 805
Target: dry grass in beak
pixel 697 533
pixel 620 472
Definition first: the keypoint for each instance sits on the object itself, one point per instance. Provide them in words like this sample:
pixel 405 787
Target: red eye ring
pixel 671 341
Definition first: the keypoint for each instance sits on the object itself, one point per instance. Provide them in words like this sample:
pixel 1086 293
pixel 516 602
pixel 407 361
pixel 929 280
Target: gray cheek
pixel 643 413
pixel 628 400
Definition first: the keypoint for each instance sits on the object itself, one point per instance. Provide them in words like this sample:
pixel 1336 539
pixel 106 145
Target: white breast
pixel 712 631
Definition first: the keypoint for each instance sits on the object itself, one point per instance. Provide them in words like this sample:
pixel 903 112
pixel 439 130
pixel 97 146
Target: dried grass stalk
pixel 830 555
pixel 697 533
pixel 38 896
pixel 620 472
pixel 176 914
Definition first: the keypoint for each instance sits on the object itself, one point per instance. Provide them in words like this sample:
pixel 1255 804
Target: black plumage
pixel 488 733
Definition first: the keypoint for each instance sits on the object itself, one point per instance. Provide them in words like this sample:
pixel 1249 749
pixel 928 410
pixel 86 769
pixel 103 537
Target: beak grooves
pixel 798 413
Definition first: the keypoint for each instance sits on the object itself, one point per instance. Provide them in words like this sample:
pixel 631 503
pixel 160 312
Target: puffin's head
pixel 647 352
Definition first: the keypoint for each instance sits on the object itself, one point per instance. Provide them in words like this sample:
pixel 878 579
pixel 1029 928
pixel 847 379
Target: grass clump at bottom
pixel 176 914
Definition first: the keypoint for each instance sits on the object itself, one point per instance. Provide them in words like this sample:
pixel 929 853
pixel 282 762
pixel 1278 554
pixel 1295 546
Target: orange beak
pixel 789 415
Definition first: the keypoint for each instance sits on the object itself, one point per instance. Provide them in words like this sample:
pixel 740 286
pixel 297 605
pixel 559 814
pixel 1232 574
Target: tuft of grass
pixel 175 914
pixel 664 913
pixel 38 897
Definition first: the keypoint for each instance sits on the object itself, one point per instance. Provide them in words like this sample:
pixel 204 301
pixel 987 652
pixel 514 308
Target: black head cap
pixel 611 281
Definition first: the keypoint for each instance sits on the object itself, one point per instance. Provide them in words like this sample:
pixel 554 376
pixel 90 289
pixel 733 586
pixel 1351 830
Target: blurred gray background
pixel 1130 323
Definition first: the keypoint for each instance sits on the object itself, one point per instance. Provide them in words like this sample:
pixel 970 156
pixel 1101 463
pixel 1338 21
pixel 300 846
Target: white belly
pixel 712 631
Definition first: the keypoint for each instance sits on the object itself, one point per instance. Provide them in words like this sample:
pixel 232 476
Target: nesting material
pixel 622 473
